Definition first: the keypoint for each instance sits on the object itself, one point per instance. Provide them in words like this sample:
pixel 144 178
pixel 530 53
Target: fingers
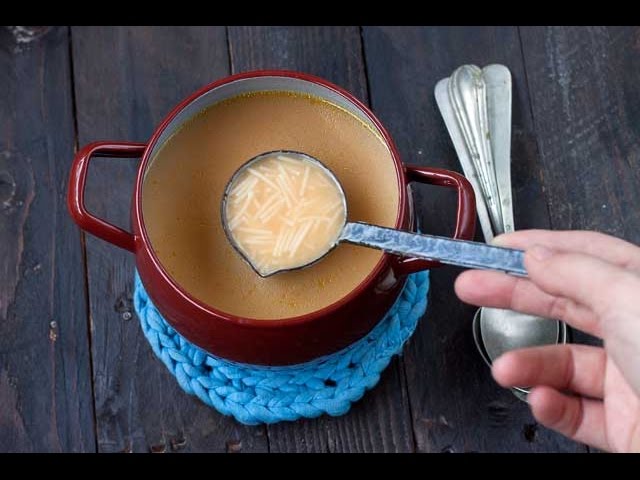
pixel 579 289
pixel 584 279
pixel 580 419
pixel 579 368
pixel 494 289
pixel 608 248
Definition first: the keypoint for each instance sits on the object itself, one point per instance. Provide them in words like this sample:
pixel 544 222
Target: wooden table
pixel 76 373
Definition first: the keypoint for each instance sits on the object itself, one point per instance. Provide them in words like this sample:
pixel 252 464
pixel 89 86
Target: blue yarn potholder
pixel 255 394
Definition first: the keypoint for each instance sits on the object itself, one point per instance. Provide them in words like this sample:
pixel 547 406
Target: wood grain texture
pixel 575 151
pixel 381 421
pixel 455 404
pixel 334 53
pixel 126 80
pixel 586 109
pixel 586 105
pixel 46 402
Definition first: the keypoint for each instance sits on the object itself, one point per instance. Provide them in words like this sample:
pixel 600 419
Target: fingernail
pixel 496 365
pixel 497 241
pixel 539 253
pixel 497 362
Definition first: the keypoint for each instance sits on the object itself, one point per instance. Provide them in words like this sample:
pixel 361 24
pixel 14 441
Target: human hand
pixel 592 282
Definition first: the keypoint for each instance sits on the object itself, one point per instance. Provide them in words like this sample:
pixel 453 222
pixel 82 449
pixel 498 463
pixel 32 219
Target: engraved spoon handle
pixel 476 107
pixel 468 96
pixel 446 250
pixel 498 87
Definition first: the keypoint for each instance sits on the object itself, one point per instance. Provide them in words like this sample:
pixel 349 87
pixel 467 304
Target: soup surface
pixel 184 185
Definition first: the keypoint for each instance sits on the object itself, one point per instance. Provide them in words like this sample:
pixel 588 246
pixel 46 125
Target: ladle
pixel 446 250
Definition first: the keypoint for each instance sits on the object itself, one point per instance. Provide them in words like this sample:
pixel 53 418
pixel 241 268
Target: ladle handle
pixel 77 181
pixel 465 216
pixel 446 250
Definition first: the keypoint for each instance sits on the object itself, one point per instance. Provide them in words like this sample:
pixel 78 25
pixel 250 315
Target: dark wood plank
pixel 46 402
pixel 586 106
pixel 455 404
pixel 126 80
pixel 381 421
pixel 586 111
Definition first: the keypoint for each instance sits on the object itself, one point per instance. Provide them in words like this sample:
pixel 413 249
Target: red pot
pixel 275 342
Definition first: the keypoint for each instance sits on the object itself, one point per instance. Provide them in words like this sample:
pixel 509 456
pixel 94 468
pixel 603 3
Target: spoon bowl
pixel 504 330
pixel 476 327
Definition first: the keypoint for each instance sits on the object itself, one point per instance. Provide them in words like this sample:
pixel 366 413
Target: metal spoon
pixel 476 106
pixel 521 393
pixel 446 250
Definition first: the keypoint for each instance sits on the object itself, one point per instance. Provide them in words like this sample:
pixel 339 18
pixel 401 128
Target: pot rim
pixel 145 242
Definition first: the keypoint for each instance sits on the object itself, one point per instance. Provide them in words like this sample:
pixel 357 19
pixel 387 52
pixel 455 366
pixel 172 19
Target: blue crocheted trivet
pixel 257 394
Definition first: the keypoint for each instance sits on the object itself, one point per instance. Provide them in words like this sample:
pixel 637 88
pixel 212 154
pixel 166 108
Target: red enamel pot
pixel 276 342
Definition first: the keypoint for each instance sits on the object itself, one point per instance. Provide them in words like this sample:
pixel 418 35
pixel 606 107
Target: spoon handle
pixel 498 87
pixel 446 250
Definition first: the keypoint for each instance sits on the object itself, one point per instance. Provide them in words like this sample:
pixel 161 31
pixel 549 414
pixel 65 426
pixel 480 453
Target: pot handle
pixel 75 194
pixel 466 216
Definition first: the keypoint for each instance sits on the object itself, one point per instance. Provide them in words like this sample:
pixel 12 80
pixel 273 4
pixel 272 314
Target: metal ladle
pixel 476 106
pixel 446 250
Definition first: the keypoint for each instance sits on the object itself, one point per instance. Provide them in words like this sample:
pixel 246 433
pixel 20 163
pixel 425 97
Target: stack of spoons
pixel 475 104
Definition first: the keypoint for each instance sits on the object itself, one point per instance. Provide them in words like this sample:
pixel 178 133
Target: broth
pixel 184 184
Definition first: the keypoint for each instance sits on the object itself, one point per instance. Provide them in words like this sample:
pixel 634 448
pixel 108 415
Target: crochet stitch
pixel 255 394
